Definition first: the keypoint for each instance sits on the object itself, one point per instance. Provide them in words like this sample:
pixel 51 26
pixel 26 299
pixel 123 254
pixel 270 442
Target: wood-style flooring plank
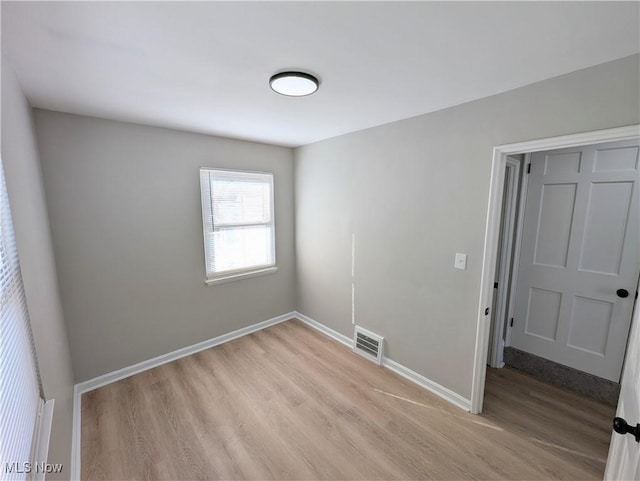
pixel 290 403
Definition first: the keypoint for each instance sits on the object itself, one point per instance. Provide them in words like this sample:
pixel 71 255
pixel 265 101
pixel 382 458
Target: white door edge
pixel 614 469
pixel 494 208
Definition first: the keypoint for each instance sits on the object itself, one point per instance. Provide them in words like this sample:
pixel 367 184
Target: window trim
pixel 243 273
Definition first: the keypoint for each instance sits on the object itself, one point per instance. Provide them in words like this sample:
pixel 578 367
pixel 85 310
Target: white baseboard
pixel 426 383
pixel 125 372
pixel 347 341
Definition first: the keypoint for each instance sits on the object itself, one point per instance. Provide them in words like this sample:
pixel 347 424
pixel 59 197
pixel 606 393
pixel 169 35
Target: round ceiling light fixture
pixel 294 84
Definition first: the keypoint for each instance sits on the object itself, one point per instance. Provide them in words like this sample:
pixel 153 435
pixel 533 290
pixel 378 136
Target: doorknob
pixel 621 427
pixel 622 293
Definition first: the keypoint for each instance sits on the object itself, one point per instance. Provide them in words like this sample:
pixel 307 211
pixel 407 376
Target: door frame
pixel 517 243
pixel 494 212
pixel 505 294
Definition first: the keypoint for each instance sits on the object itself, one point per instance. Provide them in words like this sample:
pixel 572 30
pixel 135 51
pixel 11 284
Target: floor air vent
pixel 368 344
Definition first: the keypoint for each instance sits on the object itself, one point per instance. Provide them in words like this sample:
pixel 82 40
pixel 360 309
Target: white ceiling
pixel 204 66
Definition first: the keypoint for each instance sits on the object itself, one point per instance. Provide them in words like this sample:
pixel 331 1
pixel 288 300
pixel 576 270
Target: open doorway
pixel 569 287
pixel 493 243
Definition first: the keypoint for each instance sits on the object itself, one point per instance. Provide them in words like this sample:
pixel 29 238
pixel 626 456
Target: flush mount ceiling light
pixel 294 84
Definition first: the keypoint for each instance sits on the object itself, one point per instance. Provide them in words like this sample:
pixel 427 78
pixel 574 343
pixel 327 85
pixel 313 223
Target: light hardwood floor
pixel 289 403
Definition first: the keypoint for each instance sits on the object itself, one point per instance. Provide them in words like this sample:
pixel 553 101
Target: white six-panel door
pixel 580 245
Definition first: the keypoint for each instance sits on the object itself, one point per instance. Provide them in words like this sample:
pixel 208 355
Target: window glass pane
pixel 242 247
pixel 240 201
pixel 238 221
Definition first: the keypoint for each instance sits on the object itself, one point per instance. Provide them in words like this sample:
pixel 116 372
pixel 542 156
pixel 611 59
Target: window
pixel 20 392
pixel 237 216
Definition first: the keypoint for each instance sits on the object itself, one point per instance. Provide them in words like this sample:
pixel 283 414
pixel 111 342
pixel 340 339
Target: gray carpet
pixel 562 376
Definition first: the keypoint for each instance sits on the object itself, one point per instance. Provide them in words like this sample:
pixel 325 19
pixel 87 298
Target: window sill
pixel 241 275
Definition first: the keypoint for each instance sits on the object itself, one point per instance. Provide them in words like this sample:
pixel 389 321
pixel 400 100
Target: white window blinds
pixel 238 221
pixel 20 391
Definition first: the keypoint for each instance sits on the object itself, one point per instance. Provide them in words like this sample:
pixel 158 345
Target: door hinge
pixel 529 168
pixel 511 322
pixel 495 285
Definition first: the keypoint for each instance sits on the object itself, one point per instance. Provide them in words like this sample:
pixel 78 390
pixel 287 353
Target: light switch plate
pixel 461 261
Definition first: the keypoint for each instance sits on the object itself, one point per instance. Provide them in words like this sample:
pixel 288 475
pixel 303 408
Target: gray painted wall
pixel 415 192
pixel 124 205
pixel 33 239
